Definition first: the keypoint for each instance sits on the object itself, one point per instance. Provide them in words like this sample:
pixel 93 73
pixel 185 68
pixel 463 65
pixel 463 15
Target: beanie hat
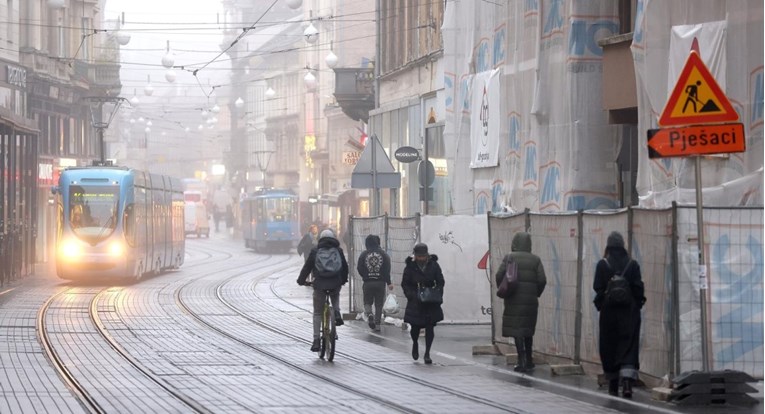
pixel 615 240
pixel 420 249
pixel 326 233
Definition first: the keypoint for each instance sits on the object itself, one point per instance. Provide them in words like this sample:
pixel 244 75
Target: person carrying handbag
pixel 422 270
pixel 519 318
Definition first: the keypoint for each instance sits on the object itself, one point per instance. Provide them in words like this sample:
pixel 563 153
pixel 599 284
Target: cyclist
pixel 327 263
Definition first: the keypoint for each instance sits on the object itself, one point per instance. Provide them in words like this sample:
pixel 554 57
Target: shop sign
pixel 351 157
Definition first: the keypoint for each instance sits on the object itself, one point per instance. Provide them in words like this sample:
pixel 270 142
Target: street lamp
pixel 263 158
pixel 102 111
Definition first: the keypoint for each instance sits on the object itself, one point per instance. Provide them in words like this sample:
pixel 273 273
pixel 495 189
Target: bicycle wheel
pixel 330 335
pixel 323 332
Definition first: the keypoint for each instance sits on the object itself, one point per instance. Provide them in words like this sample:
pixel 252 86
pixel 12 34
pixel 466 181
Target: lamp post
pixel 102 111
pixel 263 158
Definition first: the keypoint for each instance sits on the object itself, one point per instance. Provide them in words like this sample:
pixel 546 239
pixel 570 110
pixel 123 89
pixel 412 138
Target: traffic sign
pixel 696 98
pixel 696 140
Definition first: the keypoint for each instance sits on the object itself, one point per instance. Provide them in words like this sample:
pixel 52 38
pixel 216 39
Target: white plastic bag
pixel 391 304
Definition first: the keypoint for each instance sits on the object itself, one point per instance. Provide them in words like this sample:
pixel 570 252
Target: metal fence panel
pixel 651 247
pixel 734 251
pixel 596 228
pixel 554 241
pixel 501 231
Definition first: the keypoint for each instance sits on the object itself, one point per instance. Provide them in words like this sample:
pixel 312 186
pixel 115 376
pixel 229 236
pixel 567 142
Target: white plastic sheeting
pixel 556 148
pixel 730 38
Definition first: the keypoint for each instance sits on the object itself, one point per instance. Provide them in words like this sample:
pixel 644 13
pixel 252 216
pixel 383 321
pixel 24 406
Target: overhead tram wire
pixel 241 35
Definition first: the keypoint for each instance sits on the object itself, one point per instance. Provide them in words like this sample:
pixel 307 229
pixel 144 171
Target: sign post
pixel 696 111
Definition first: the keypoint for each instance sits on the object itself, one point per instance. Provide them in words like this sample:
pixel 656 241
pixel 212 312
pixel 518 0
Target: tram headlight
pixel 116 249
pixel 70 250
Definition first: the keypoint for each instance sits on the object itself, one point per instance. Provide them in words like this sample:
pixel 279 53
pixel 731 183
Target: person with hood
pixel 421 270
pixel 619 322
pixel 331 281
pixel 519 318
pixel 374 268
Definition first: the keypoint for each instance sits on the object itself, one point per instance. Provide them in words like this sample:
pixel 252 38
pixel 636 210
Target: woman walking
pixel 422 270
pixel 619 302
pixel 519 319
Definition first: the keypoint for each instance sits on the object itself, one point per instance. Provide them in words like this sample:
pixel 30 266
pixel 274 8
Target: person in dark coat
pixel 422 269
pixel 519 318
pixel 619 324
pixel 309 241
pixel 327 239
pixel 374 268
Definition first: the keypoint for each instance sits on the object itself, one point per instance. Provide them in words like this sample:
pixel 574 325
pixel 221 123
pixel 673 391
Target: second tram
pixel 270 220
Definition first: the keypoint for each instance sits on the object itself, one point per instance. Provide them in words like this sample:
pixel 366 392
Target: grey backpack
pixel 328 262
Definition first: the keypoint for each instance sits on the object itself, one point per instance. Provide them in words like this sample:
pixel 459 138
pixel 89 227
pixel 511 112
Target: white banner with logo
pixel 485 118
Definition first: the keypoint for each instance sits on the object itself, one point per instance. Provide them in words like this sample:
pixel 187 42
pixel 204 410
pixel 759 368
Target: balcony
pixel 104 76
pixel 355 92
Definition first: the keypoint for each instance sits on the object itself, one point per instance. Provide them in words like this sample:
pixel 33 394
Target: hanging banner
pixel 485 118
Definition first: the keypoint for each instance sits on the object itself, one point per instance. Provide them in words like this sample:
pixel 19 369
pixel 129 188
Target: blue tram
pixel 270 220
pixel 118 222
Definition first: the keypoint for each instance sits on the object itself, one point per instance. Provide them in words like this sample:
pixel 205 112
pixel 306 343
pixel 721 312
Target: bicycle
pixel 328 330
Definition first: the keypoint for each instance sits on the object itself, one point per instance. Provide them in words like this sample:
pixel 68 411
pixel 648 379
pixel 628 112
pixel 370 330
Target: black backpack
pixel 618 291
pixel 328 262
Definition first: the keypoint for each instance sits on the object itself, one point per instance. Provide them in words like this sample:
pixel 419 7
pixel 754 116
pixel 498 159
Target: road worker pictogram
pixel 696 98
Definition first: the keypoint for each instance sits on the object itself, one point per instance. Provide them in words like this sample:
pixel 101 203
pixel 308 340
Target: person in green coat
pixel 519 318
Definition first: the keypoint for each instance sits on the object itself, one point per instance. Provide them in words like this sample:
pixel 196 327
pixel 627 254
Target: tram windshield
pixel 280 209
pixel 93 210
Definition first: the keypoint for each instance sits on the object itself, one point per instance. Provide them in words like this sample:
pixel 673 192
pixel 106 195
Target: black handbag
pixel 430 294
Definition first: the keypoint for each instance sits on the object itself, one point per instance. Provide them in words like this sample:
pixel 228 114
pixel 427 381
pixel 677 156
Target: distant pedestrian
pixel 229 217
pixel 309 241
pixel 217 215
pixel 374 268
pixel 619 302
pixel 519 318
pixel 421 269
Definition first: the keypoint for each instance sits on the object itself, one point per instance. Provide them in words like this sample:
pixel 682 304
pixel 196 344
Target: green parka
pixel 519 318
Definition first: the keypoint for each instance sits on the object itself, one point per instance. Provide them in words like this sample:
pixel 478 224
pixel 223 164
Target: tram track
pixel 88 400
pixel 219 288
pixel 274 356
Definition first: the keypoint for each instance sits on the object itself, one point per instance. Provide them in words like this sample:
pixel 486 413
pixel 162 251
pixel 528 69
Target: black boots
pixel 613 387
pixel 627 388
pixel 527 347
pixel 415 351
pixel 520 349
pixel 523 347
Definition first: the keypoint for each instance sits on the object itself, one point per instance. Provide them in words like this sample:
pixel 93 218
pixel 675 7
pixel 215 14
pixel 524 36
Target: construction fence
pixel 664 243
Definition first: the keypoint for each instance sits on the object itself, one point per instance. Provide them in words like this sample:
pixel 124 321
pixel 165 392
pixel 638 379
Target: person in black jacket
pixel 423 270
pixel 519 318
pixel 619 323
pixel 374 268
pixel 321 283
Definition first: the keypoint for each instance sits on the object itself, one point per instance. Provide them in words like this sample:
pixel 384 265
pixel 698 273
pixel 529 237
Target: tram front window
pixel 280 210
pixel 93 211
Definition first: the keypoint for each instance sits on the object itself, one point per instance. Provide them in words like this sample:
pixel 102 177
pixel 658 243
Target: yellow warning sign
pixel 696 98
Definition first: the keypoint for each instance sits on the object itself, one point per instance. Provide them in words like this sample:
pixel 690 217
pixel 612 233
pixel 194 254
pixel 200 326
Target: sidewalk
pixel 456 342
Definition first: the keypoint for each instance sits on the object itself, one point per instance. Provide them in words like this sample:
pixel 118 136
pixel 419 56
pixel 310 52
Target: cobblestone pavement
pixel 230 332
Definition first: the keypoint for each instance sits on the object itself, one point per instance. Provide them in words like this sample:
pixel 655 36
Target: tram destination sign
pixel 696 140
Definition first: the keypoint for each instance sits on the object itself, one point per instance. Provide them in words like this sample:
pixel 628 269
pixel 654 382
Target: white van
pixel 195 219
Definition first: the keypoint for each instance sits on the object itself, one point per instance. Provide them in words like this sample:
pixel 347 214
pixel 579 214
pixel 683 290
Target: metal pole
pixel 101 143
pixel 702 269
pixel 375 190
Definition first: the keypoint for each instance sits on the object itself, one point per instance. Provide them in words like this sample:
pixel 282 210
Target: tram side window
pixel 129 223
